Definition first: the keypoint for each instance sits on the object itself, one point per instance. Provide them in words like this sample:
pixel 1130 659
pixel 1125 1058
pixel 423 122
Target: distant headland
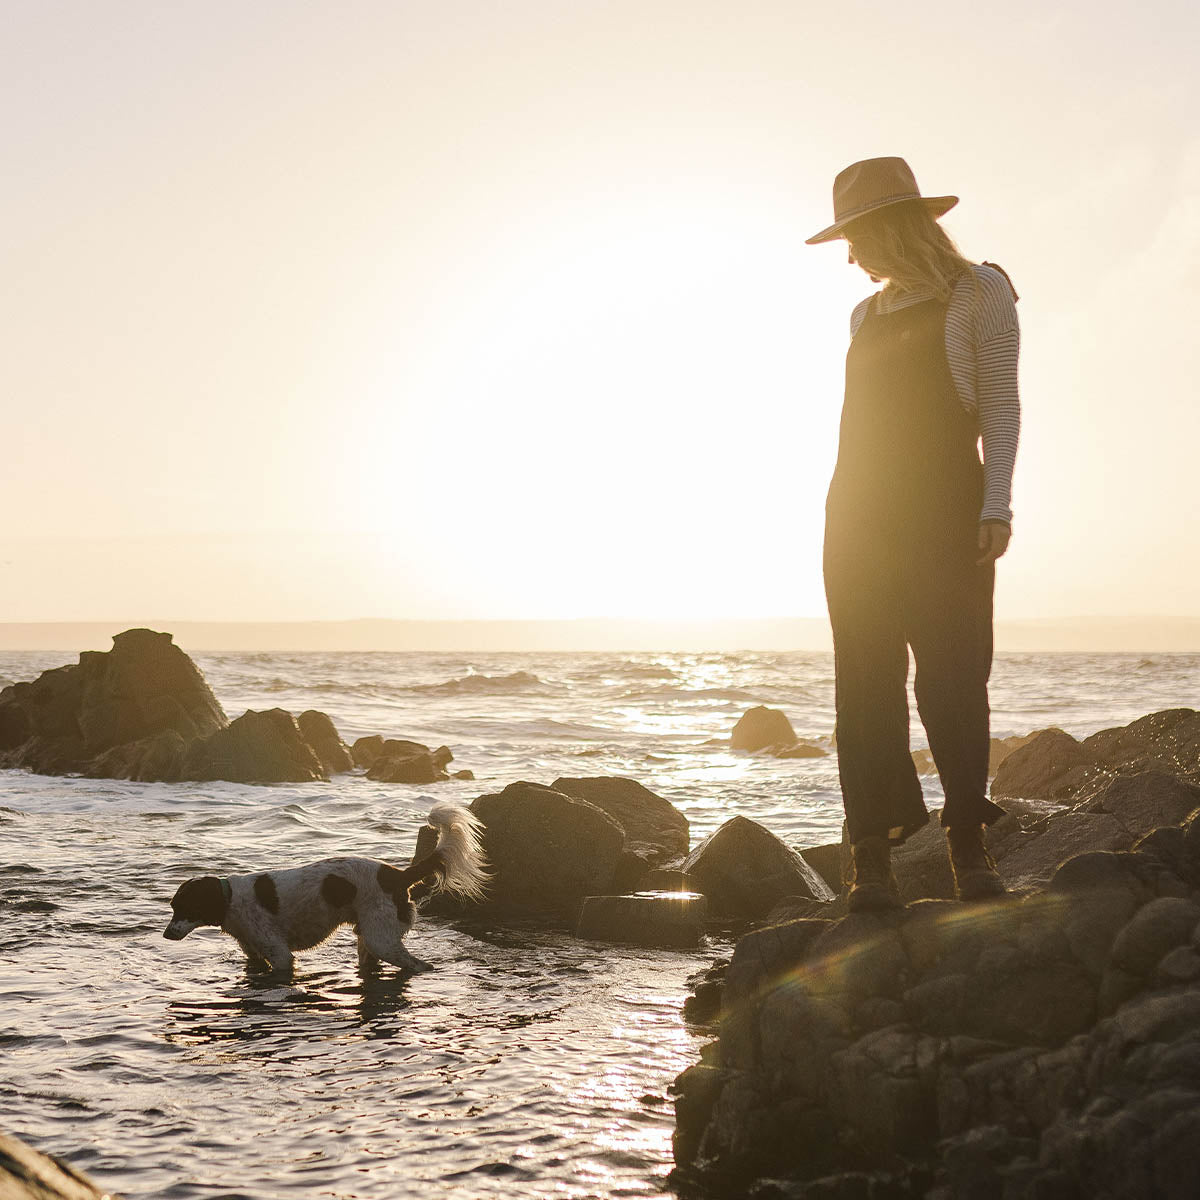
pixel 1145 634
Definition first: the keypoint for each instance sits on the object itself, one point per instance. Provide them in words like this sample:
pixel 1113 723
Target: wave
pixel 647 671
pixel 741 695
pixel 518 681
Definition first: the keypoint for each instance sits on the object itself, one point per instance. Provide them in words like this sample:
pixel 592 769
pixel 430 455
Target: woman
pixel 915 522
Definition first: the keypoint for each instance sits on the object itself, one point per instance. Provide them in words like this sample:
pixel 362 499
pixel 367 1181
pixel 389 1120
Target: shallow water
pixel 528 1062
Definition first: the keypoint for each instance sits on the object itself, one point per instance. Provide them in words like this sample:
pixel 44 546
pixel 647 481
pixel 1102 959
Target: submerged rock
pixel 745 870
pixel 669 919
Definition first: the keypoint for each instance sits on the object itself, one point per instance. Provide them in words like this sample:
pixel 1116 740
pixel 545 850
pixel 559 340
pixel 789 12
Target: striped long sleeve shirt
pixel 983 342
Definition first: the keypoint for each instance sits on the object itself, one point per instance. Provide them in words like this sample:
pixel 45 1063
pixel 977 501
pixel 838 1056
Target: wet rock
pixel 800 750
pixel 319 732
pixel 402 761
pixel 27 1174
pixel 67 717
pixel 669 919
pixel 999 750
pixel 745 870
pixel 156 759
pixel 547 851
pixel 761 727
pixel 655 830
pixel 419 767
pixel 366 750
pixel 259 747
pixel 1048 765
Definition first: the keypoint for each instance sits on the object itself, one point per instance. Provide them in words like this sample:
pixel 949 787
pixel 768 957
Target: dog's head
pixel 198 902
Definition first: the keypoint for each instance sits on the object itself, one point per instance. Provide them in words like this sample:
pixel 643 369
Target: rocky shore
pixel 1044 1045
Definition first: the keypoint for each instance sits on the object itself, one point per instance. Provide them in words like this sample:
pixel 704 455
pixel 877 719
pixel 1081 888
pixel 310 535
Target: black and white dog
pixel 275 913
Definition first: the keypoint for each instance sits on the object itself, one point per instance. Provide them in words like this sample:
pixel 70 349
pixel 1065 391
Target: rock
pixel 259 747
pixel 366 750
pixel 1156 928
pixel 1112 818
pixel 397 760
pixel 669 919
pixel 1000 749
pixel 655 830
pixel 406 768
pixel 761 727
pixel 745 870
pixel 668 879
pixel 1033 858
pixel 800 750
pixel 67 717
pixel 827 862
pixel 1145 801
pixel 27 1174
pixel 464 774
pixel 320 733
pixel 1048 765
pixel 547 851
pixel 156 759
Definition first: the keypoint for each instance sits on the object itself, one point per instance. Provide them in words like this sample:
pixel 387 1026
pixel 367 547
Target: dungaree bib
pixel 900 548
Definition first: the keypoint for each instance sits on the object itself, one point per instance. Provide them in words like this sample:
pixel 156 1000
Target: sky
pixel 322 311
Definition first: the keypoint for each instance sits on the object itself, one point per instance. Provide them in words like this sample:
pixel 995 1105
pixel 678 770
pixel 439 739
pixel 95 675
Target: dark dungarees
pixel 901 529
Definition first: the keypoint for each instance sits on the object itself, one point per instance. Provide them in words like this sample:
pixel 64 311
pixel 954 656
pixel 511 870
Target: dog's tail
pixel 463 866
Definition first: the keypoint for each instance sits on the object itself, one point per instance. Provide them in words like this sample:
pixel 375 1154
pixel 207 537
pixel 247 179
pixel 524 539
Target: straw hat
pixel 871 184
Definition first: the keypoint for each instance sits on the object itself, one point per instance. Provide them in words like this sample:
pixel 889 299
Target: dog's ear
pixel 201 901
pixel 399 884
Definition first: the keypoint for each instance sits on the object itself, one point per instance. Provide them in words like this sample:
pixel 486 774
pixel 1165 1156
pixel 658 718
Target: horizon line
pixel 1082 634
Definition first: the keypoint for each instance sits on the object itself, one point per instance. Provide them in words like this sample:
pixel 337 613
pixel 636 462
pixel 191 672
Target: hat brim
pixel 937 205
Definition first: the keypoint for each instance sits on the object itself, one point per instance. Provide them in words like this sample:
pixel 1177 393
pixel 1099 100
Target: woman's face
pixel 866 251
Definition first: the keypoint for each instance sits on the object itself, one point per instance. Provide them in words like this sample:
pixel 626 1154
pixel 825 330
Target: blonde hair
pixel 906 246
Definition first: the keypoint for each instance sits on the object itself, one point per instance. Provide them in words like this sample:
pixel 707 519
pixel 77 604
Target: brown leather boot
pixel 872 884
pixel 975 874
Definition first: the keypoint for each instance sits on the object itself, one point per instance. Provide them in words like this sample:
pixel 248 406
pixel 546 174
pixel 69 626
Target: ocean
pixel 527 1063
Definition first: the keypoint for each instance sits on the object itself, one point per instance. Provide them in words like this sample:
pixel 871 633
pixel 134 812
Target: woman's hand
pixel 993 541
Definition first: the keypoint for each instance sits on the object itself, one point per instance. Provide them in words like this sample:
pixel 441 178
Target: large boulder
pixel 1051 764
pixel 745 870
pixel 259 747
pixel 761 727
pixel 27 1174
pixel 655 830
pixel 67 717
pixel 1056 766
pixel 319 731
pixel 546 851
